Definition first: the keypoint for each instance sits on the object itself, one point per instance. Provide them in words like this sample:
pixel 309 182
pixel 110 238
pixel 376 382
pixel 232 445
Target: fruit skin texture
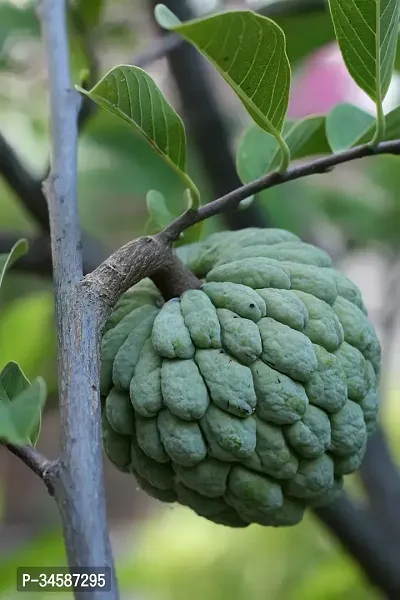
pixel 250 399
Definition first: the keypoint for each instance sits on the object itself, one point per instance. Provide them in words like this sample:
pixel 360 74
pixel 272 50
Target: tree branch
pixel 379 472
pixel 35 461
pixel 313 167
pixel 362 537
pixel 147 255
pixel 381 478
pixel 78 476
pixel 27 188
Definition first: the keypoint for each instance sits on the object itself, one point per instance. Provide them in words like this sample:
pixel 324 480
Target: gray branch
pixel 362 537
pixel 77 477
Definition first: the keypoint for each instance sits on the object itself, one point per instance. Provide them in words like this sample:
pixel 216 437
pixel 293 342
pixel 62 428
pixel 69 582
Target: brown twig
pixel 35 461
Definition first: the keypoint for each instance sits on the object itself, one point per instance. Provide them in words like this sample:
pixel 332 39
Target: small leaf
pixel 246 203
pixel 249 51
pixel 21 405
pixel 131 94
pixel 26 410
pixel 7 260
pixel 158 210
pixel 165 17
pixel 258 152
pixel 367 32
pixel 255 154
pixel 345 124
pixel 13 381
pixel 307 138
pixel 392 128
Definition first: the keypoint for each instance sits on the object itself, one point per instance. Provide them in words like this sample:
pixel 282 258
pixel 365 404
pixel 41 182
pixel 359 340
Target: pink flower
pixel 324 82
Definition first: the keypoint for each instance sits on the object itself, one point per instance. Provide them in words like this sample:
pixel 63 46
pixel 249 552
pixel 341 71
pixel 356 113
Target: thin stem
pixel 380 123
pixel 313 167
pixel 285 154
pixel 380 117
pixel 35 461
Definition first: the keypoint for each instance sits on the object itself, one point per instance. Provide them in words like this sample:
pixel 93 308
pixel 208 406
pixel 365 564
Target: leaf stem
pixel 285 154
pixel 193 194
pixel 380 117
pixel 380 123
pixel 36 462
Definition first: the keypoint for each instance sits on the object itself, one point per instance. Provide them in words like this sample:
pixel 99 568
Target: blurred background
pixel 164 552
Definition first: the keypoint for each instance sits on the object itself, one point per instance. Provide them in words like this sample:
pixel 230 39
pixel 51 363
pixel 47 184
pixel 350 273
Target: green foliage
pixel 7 260
pixel 21 404
pixel 345 124
pixel 318 25
pixel 258 152
pixel 160 216
pixel 131 94
pixel 348 126
pixel 367 33
pixel 249 51
pixel 392 128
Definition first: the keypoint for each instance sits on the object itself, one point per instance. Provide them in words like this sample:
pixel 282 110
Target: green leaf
pixel 158 210
pixel 367 32
pixel 246 203
pixel 12 381
pixel 258 152
pixel 131 94
pixel 249 51
pixel 255 154
pixel 7 260
pixel 161 216
pixel 307 138
pixel 313 19
pixel 21 405
pixel 345 138
pixel 345 124
pixel 392 128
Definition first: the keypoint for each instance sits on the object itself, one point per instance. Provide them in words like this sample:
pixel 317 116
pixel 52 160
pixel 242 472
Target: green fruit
pixel 249 399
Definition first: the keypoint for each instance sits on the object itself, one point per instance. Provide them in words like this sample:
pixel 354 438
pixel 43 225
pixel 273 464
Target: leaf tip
pixel 246 202
pixel 81 90
pixel 165 17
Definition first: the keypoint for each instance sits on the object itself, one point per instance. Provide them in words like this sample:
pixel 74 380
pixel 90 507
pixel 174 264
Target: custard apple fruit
pixel 249 399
